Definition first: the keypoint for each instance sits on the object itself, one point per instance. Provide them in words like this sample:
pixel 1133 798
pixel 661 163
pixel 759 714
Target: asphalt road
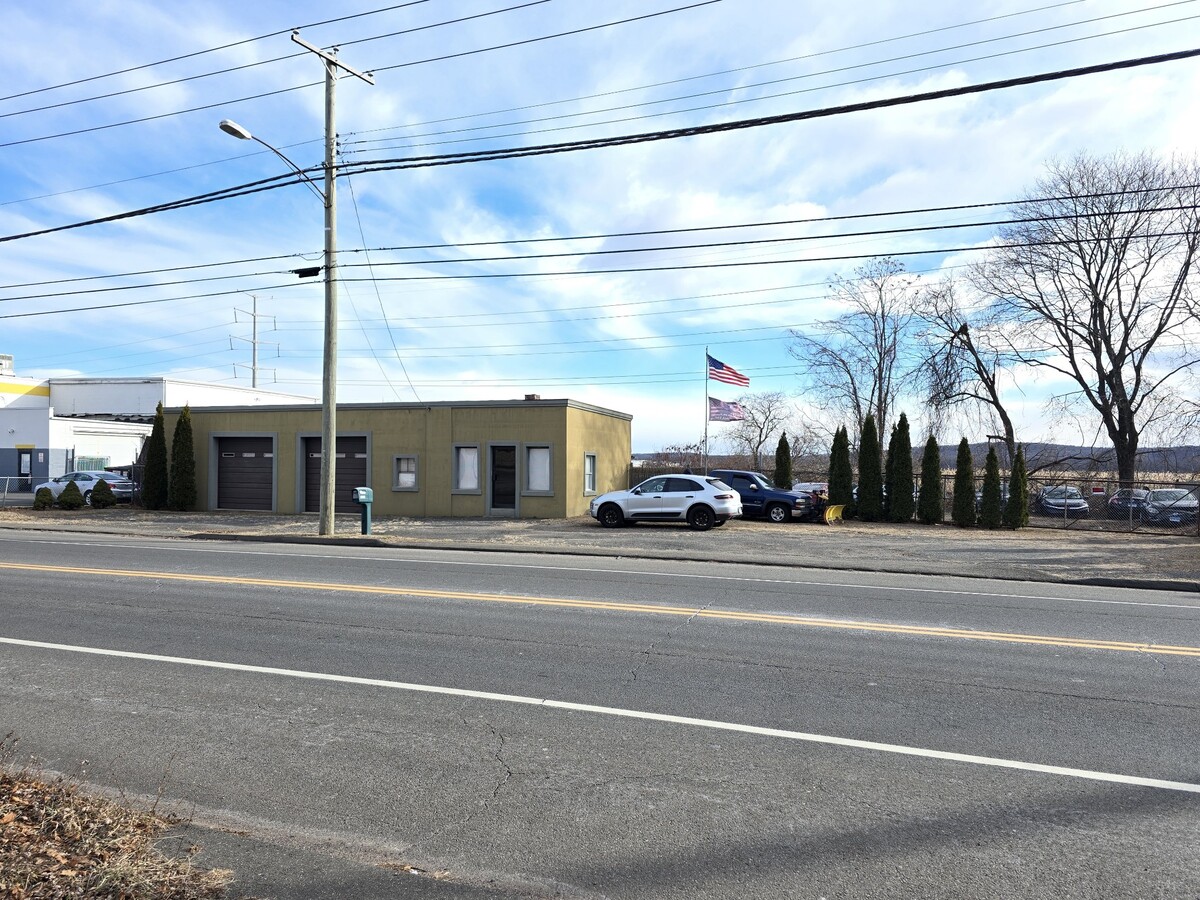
pixel 559 726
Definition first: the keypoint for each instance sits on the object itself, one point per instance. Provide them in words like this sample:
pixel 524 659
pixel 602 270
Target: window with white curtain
pixel 537 470
pixel 406 474
pixel 466 468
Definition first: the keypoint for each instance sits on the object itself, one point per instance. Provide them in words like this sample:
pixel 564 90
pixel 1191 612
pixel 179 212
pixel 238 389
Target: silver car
pixel 699 500
pixel 122 487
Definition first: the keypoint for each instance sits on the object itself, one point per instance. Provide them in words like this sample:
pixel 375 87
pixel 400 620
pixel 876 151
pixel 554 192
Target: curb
pixel 1145 584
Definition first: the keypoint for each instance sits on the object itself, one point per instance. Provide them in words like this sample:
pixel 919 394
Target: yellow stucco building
pixel 528 458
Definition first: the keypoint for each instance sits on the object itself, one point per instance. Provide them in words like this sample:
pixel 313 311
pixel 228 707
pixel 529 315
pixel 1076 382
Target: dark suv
pixel 761 498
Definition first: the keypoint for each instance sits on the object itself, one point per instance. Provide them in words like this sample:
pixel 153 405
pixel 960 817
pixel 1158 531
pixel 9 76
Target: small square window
pixel 404 473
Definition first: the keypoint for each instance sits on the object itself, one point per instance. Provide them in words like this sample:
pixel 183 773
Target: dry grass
pixel 56 841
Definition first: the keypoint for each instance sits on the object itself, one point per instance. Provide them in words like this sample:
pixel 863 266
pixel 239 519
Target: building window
pixel 404 473
pixel 589 473
pixel 537 471
pixel 466 469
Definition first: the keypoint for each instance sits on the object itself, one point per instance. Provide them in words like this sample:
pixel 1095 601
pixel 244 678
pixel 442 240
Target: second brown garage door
pixel 351 473
pixel 245 472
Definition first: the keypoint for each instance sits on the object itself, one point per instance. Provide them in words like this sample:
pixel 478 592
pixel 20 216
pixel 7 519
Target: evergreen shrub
pixel 991 515
pixel 103 496
pixel 870 473
pixel 930 502
pixel 43 499
pixel 963 510
pixel 70 498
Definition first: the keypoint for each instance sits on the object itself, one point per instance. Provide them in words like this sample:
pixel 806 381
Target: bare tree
pixel 1097 276
pixel 964 358
pixel 767 415
pixel 856 362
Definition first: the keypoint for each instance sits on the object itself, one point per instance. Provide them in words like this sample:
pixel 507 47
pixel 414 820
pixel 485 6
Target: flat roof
pixel 441 404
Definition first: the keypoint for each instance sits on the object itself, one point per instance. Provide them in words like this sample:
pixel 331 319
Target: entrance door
pixel 502 481
pixel 25 463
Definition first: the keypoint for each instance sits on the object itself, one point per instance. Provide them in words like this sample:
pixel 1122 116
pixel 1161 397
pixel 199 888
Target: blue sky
pixel 632 341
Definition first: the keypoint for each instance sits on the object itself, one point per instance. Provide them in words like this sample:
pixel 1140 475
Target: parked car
pixel 702 501
pixel 1003 497
pixel 761 498
pixel 122 487
pixel 1127 503
pixel 1062 500
pixel 1171 506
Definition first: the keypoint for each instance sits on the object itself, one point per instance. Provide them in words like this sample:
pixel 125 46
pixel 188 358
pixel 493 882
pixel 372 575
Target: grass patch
pixel 57 841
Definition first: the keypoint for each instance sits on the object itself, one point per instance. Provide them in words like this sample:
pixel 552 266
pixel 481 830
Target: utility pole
pixel 253 341
pixel 329 368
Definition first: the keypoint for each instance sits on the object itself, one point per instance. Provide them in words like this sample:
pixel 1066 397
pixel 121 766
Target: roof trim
pixel 441 404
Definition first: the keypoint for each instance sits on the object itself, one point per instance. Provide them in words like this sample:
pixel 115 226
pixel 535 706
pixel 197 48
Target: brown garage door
pixel 245 472
pixel 351 473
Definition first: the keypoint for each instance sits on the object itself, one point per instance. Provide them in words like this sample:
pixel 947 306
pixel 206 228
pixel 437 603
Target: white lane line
pixel 656 574
pixel 992 761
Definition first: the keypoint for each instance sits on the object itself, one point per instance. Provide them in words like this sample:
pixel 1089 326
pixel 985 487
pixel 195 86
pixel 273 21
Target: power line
pixel 395 164
pixel 261 62
pixel 376 69
pixel 244 41
pixel 804 77
pixel 734 71
pixel 569 100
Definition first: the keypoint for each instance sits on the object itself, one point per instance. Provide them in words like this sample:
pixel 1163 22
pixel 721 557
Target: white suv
pixel 700 501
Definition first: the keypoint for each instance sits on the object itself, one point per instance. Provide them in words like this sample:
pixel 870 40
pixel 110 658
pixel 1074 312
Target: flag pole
pixel 704 454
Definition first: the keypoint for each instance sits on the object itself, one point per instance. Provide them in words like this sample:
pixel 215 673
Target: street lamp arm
pixel 233 128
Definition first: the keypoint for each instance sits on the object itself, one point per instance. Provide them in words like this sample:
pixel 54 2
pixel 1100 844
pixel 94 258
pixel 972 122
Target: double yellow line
pixel 647 608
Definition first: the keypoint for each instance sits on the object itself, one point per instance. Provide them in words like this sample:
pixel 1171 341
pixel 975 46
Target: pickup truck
pixel 761 498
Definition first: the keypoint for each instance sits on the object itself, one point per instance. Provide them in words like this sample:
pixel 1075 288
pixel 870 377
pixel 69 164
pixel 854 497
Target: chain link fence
pixel 1158 505
pixel 16 490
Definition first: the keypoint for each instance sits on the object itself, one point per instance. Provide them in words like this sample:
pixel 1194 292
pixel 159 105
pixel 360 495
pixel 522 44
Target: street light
pixel 329 201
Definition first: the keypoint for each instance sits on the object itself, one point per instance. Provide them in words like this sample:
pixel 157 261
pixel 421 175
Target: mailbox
pixel 365 496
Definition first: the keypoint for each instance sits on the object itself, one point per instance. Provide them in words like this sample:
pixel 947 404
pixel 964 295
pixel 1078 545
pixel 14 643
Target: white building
pixel 52 426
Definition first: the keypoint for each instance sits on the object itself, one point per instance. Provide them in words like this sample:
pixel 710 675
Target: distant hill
pixel 1072 458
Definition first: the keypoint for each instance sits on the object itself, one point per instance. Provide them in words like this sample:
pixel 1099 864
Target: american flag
pixel 718 371
pixel 720 411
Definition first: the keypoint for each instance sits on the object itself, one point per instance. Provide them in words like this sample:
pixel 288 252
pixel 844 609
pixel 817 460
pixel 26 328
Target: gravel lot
pixel 1149 560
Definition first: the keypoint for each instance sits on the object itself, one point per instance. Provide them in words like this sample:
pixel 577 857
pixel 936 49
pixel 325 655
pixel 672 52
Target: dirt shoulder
pixel 1137 559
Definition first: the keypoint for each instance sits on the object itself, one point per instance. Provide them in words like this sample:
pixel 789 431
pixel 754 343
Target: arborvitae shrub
pixel 841 474
pixel 181 494
pixel 963 510
pixel 900 491
pixel 103 496
pixel 990 513
pixel 930 503
pixel 43 499
pixel 70 498
pixel 1016 510
pixel 783 463
pixel 870 473
pixel 154 478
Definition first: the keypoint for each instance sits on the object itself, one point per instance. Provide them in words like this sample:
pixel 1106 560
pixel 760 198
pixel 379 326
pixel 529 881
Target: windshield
pixel 1170 495
pixel 1064 493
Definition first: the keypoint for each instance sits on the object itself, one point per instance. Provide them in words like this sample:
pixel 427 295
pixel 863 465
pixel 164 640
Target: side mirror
pixel 754 487
pixel 637 491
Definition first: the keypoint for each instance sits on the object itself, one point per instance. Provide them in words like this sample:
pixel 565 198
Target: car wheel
pixel 87 498
pixel 701 518
pixel 610 516
pixel 777 512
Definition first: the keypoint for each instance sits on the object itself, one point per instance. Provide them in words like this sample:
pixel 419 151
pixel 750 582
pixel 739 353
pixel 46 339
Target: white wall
pixel 119 441
pixel 23 393
pixel 140 396
pixel 24 427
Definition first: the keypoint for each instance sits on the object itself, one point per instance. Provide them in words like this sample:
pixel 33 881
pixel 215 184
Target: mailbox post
pixel 366 497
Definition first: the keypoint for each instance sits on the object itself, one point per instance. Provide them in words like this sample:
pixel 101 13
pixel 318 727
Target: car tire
pixel 701 518
pixel 610 516
pixel 87 498
pixel 779 513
